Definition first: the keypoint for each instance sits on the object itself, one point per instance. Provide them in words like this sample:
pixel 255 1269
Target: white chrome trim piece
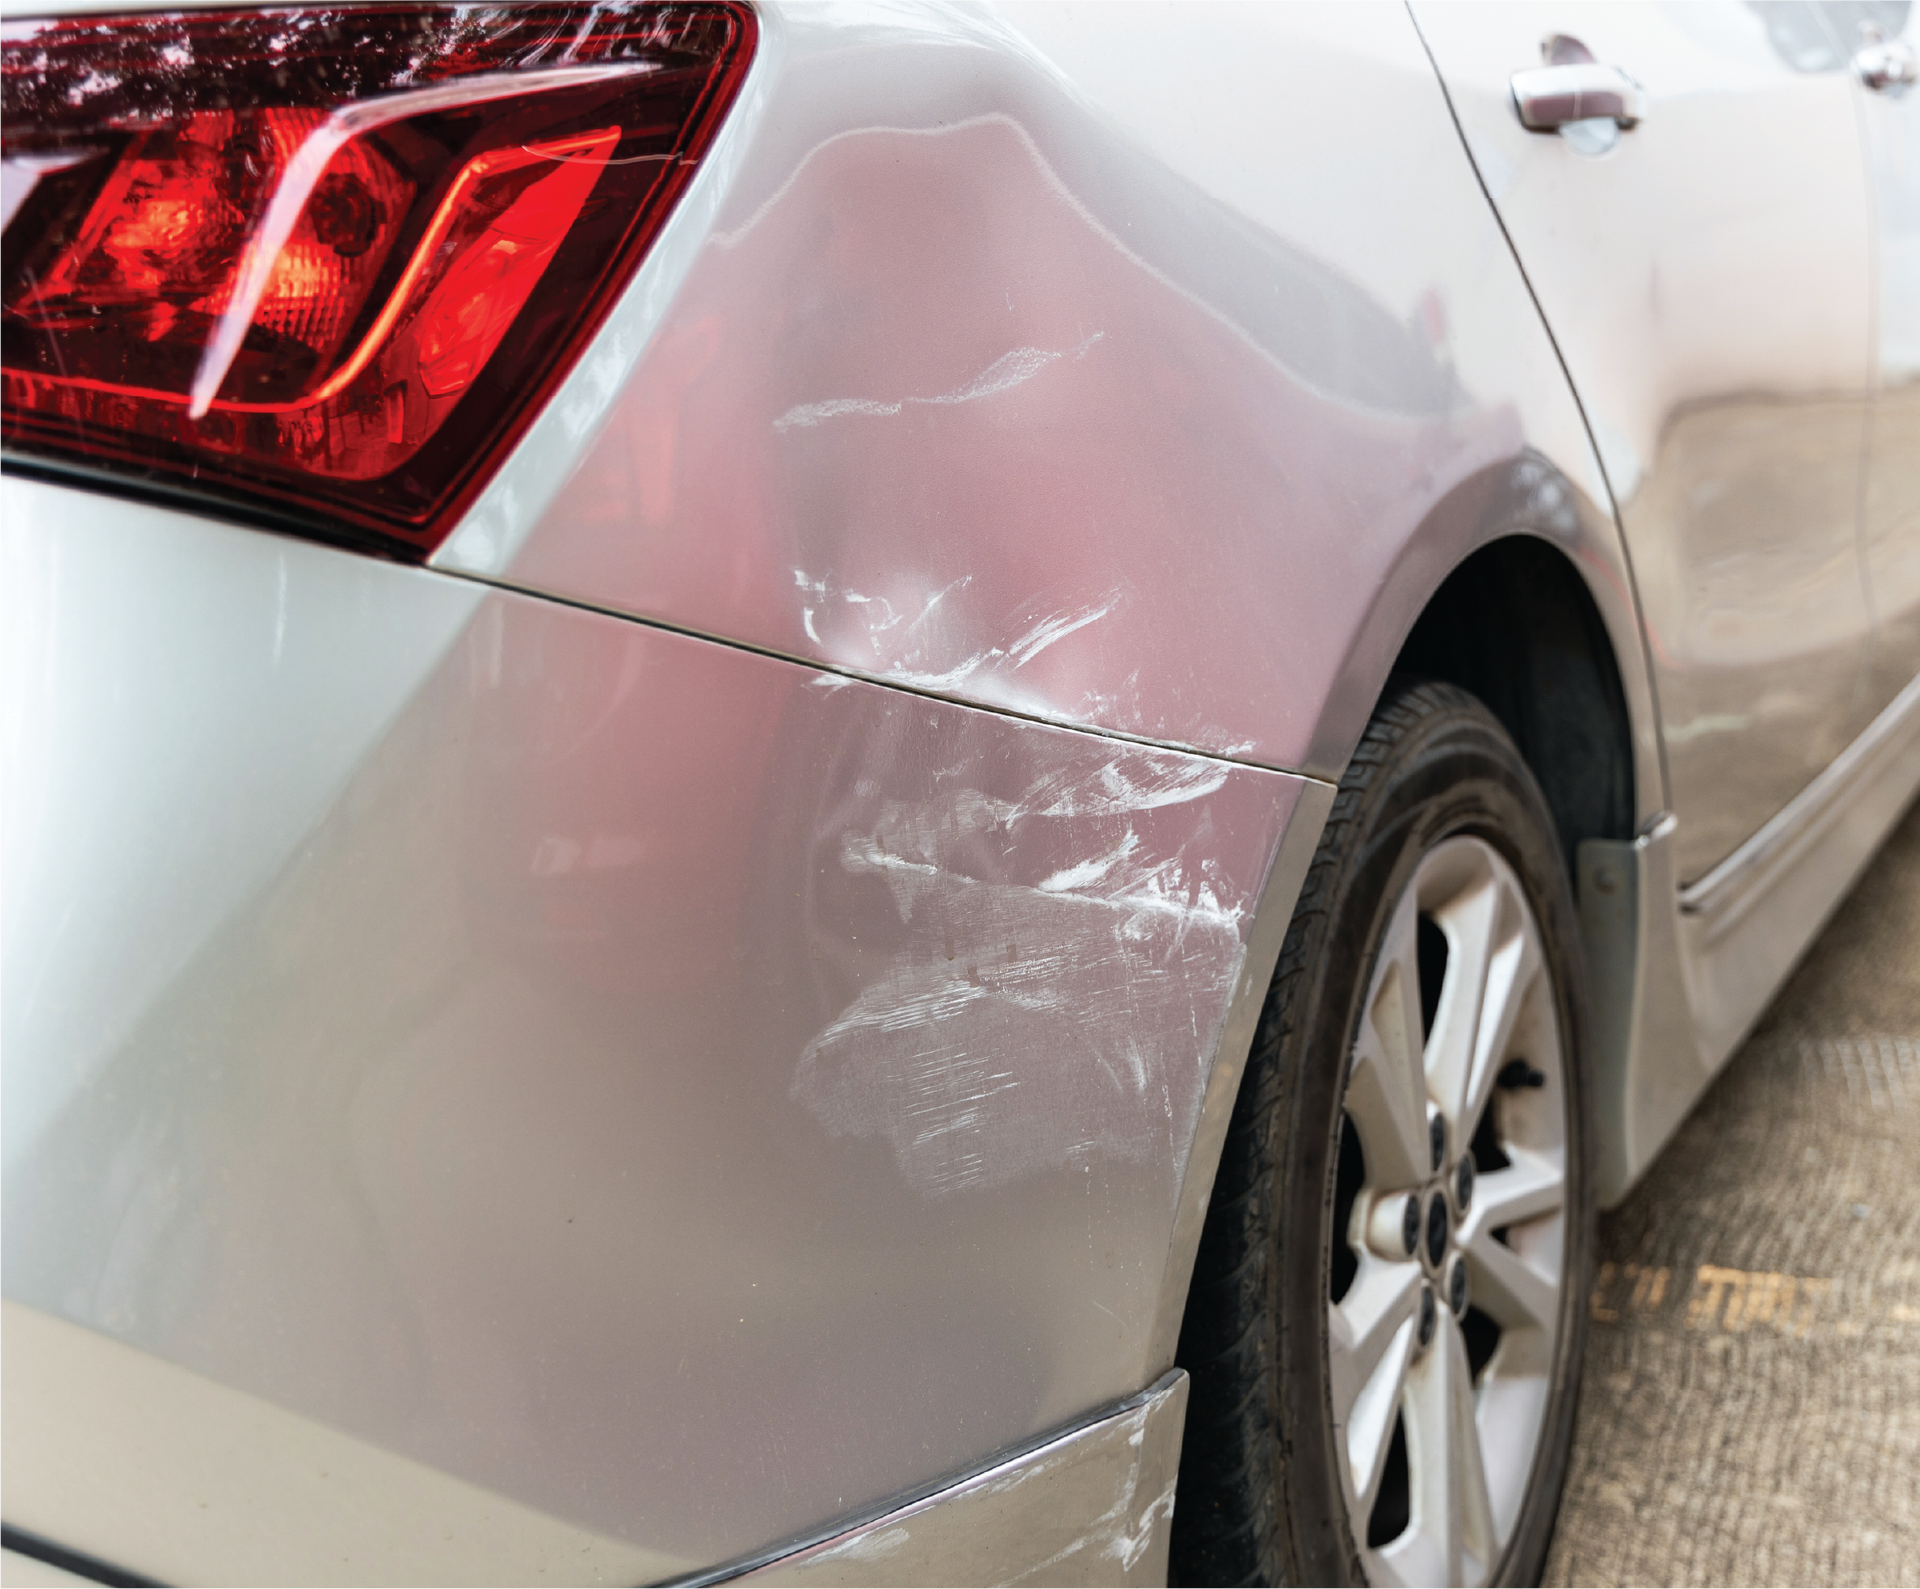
pixel 1731 888
pixel 1887 68
pixel 1093 1506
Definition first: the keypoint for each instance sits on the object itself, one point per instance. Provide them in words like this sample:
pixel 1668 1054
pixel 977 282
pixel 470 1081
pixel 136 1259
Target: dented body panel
pixel 1013 359
pixel 670 1088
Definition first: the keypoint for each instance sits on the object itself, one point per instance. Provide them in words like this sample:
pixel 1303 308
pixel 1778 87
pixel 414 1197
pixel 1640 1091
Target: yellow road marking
pixel 1733 1301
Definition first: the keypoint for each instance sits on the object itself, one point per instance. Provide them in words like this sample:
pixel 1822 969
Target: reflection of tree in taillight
pixel 342 309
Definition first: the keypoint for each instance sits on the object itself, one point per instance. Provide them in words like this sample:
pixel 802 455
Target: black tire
pixel 1259 1496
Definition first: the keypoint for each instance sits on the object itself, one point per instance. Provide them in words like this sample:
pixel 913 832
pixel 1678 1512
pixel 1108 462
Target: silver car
pixel 888 793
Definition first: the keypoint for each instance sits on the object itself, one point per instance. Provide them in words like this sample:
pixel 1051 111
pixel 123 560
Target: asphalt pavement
pixel 1751 1410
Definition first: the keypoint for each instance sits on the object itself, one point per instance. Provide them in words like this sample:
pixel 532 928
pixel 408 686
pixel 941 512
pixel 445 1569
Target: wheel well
pixel 1516 625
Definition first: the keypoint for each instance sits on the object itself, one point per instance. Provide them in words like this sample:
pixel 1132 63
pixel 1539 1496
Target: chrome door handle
pixel 1548 97
pixel 1887 67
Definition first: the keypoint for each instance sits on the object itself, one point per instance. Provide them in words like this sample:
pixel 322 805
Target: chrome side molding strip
pixel 1725 893
pixel 1092 1506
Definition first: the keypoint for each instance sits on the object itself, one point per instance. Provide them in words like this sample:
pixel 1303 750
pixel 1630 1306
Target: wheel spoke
pixel 1512 971
pixel 1493 963
pixel 1469 921
pixel 1467 1460
pixel 1511 1406
pixel 1451 1540
pixel 1363 1324
pixel 1370 1339
pixel 1532 1185
pixel 1387 1092
pixel 1508 1289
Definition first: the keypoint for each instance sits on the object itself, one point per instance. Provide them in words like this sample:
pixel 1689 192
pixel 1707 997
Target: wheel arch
pixel 1516 587
pixel 1516 626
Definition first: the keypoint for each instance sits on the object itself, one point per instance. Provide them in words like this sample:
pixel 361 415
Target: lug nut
pixel 1463 1183
pixel 1457 1287
pixel 1429 1316
pixel 1437 1140
pixel 1436 1229
pixel 1393 1226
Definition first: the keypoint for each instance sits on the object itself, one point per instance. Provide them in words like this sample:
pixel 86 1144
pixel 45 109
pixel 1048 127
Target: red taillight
pixel 329 261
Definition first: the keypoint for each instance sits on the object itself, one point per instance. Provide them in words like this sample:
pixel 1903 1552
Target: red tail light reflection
pixel 328 262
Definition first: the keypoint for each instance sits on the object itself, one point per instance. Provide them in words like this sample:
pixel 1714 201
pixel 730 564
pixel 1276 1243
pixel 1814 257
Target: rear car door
pixel 1890 534
pixel 1707 274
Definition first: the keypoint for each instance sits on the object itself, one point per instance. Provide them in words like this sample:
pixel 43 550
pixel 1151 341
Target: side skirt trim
pixel 1730 889
pixel 1681 974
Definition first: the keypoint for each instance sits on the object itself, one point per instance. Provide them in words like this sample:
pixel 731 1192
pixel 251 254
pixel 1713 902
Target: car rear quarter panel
pixel 692 1090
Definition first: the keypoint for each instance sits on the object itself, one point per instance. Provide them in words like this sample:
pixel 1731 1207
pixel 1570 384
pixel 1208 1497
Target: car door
pixel 1890 505
pixel 1706 273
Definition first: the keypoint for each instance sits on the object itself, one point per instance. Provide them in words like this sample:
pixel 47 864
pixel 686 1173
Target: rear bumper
pixel 676 1095
pixel 127 1450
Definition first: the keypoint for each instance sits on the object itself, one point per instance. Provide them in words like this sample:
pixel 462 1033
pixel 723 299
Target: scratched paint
pixel 908 634
pixel 1011 369
pixel 929 412
pixel 943 987
pixel 978 1059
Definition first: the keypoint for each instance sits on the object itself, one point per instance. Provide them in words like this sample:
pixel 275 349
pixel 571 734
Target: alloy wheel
pixel 1448 1251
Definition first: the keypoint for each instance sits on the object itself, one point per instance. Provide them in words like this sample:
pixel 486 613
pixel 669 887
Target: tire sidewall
pixel 1454 775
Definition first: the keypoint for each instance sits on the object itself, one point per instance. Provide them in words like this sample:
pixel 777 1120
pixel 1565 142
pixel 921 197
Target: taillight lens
pixel 328 261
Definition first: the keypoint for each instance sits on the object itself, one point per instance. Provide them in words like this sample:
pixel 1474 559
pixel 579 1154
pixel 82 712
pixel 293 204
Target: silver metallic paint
pixel 914 534
pixel 1733 452
pixel 1171 439
pixel 965 390
pixel 1745 924
pixel 1271 918
pixel 137 1460
pixel 1679 975
pixel 683 1092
